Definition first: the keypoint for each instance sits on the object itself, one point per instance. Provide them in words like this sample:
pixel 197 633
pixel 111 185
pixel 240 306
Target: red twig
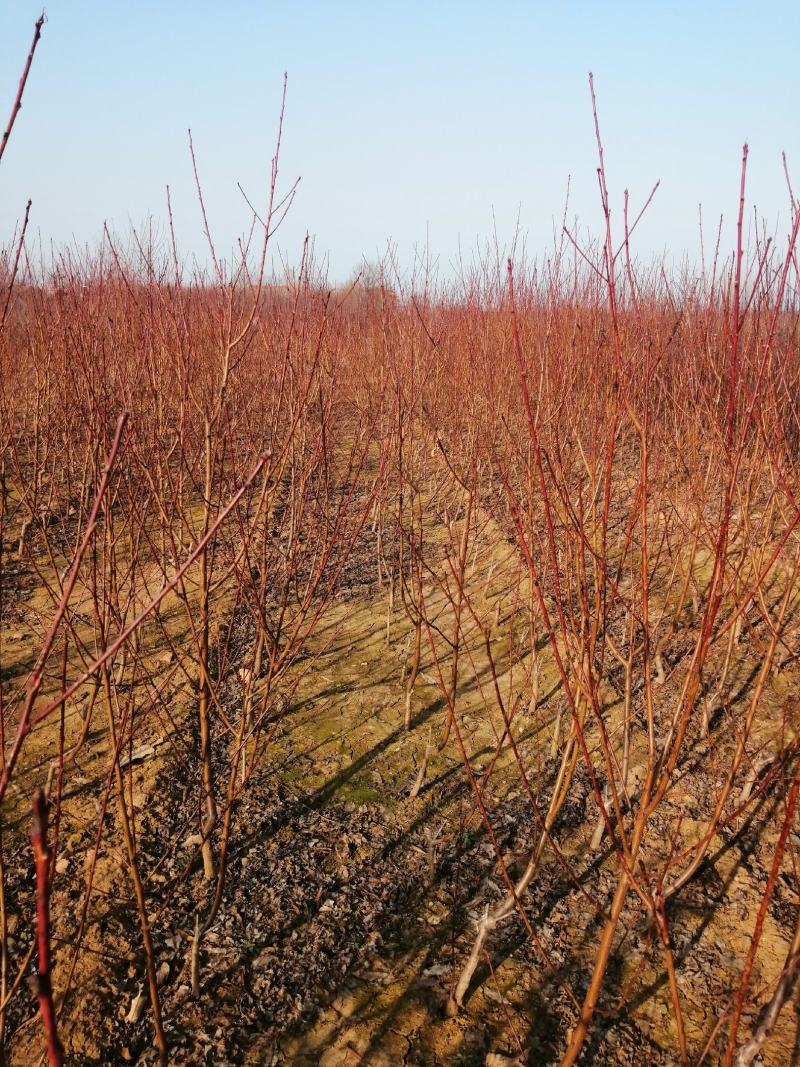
pixel 37 33
pixel 15 268
pixel 37 675
pixel 762 914
pixel 44 986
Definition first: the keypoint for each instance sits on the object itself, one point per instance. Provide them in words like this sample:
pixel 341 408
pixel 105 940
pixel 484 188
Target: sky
pixel 424 124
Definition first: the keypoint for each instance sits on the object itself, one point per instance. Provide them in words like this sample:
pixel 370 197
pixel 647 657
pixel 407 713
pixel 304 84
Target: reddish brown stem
pixel 37 33
pixel 44 985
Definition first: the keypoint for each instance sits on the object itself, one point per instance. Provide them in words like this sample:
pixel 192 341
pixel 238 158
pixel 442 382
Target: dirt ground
pixel 350 906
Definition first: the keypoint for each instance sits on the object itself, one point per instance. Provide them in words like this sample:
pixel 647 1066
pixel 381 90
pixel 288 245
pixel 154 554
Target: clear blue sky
pixel 403 119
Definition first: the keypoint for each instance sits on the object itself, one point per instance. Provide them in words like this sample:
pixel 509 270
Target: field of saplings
pixel 403 672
